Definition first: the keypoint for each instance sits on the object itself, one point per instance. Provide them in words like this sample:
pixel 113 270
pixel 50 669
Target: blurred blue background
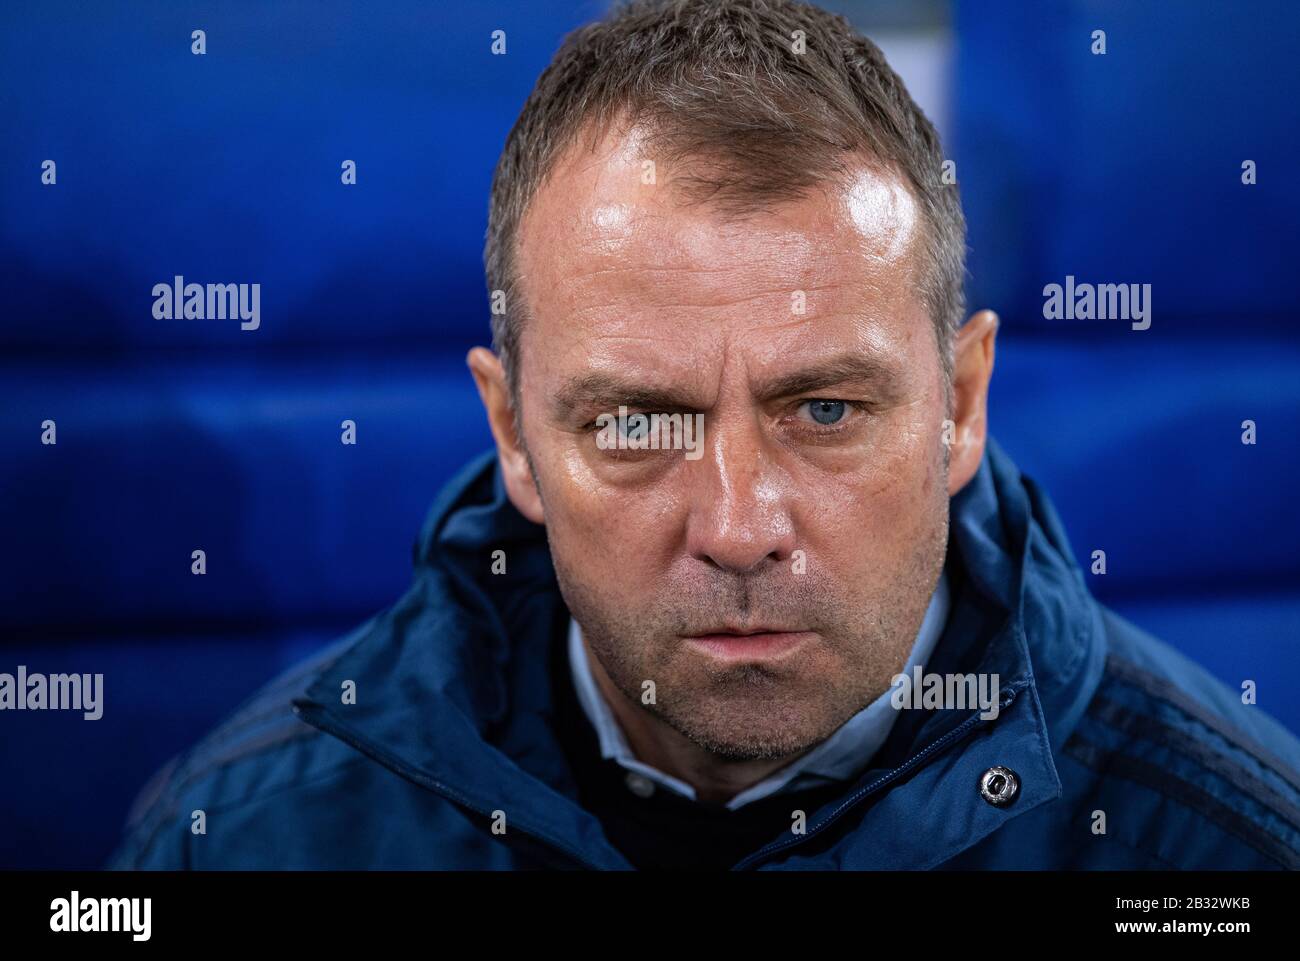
pixel 176 435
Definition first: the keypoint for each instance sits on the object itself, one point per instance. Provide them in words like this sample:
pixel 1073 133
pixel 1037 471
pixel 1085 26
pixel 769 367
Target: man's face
pixel 819 507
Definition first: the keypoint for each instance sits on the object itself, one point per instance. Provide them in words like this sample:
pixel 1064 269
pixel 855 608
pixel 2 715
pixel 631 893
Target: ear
pixel 490 379
pixel 972 368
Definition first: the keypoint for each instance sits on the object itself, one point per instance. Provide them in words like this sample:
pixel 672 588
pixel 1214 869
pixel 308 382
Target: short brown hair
pixel 719 80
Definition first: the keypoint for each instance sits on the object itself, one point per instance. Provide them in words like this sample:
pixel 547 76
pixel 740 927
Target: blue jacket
pixel 1127 754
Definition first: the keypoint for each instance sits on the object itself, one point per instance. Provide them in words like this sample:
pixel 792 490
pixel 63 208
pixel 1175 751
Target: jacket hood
pixel 453 692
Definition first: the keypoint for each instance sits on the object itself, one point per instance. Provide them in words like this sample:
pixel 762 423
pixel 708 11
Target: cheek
pixel 614 538
pixel 879 513
pixel 617 538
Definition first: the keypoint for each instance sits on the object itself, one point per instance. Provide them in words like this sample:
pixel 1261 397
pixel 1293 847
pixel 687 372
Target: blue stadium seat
pixel 194 434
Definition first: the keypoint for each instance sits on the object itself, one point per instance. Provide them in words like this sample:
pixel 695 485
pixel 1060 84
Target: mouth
pixel 749 645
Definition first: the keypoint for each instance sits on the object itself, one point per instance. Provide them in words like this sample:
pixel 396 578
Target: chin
pixel 753 730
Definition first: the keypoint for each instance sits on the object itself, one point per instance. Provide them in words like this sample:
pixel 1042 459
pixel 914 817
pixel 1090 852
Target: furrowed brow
pixel 603 391
pixel 838 371
pixel 598 390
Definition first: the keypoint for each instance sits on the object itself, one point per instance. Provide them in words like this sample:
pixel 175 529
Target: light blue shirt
pixel 840 757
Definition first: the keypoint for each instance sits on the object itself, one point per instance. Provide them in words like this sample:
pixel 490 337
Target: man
pixel 630 643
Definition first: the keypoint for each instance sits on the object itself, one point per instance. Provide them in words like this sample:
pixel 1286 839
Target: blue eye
pixel 826 412
pixel 638 426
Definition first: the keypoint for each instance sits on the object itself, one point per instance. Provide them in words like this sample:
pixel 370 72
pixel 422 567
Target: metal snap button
pixel 639 784
pixel 999 785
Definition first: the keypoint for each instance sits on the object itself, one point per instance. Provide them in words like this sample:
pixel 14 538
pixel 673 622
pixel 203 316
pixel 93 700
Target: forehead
pixel 609 248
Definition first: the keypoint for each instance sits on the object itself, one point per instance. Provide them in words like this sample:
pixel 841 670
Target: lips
pixel 745 631
pixel 749 645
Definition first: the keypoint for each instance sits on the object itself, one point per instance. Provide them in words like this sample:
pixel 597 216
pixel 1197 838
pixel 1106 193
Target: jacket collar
pixel 452 682
pixel 1021 611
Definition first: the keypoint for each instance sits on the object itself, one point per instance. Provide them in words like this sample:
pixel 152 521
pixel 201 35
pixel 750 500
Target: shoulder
pixel 1198 778
pixel 262 749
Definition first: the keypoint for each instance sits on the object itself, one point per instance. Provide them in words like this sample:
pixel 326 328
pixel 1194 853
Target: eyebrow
pixel 840 369
pixel 601 389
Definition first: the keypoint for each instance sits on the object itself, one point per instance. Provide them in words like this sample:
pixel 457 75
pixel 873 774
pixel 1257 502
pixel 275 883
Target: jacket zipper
pixel 311 714
pixel 934 747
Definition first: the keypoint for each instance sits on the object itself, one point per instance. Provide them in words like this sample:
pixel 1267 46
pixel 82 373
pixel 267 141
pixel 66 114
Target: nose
pixel 740 497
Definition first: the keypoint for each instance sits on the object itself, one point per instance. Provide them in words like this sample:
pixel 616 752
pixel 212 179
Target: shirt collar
pixel 838 758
